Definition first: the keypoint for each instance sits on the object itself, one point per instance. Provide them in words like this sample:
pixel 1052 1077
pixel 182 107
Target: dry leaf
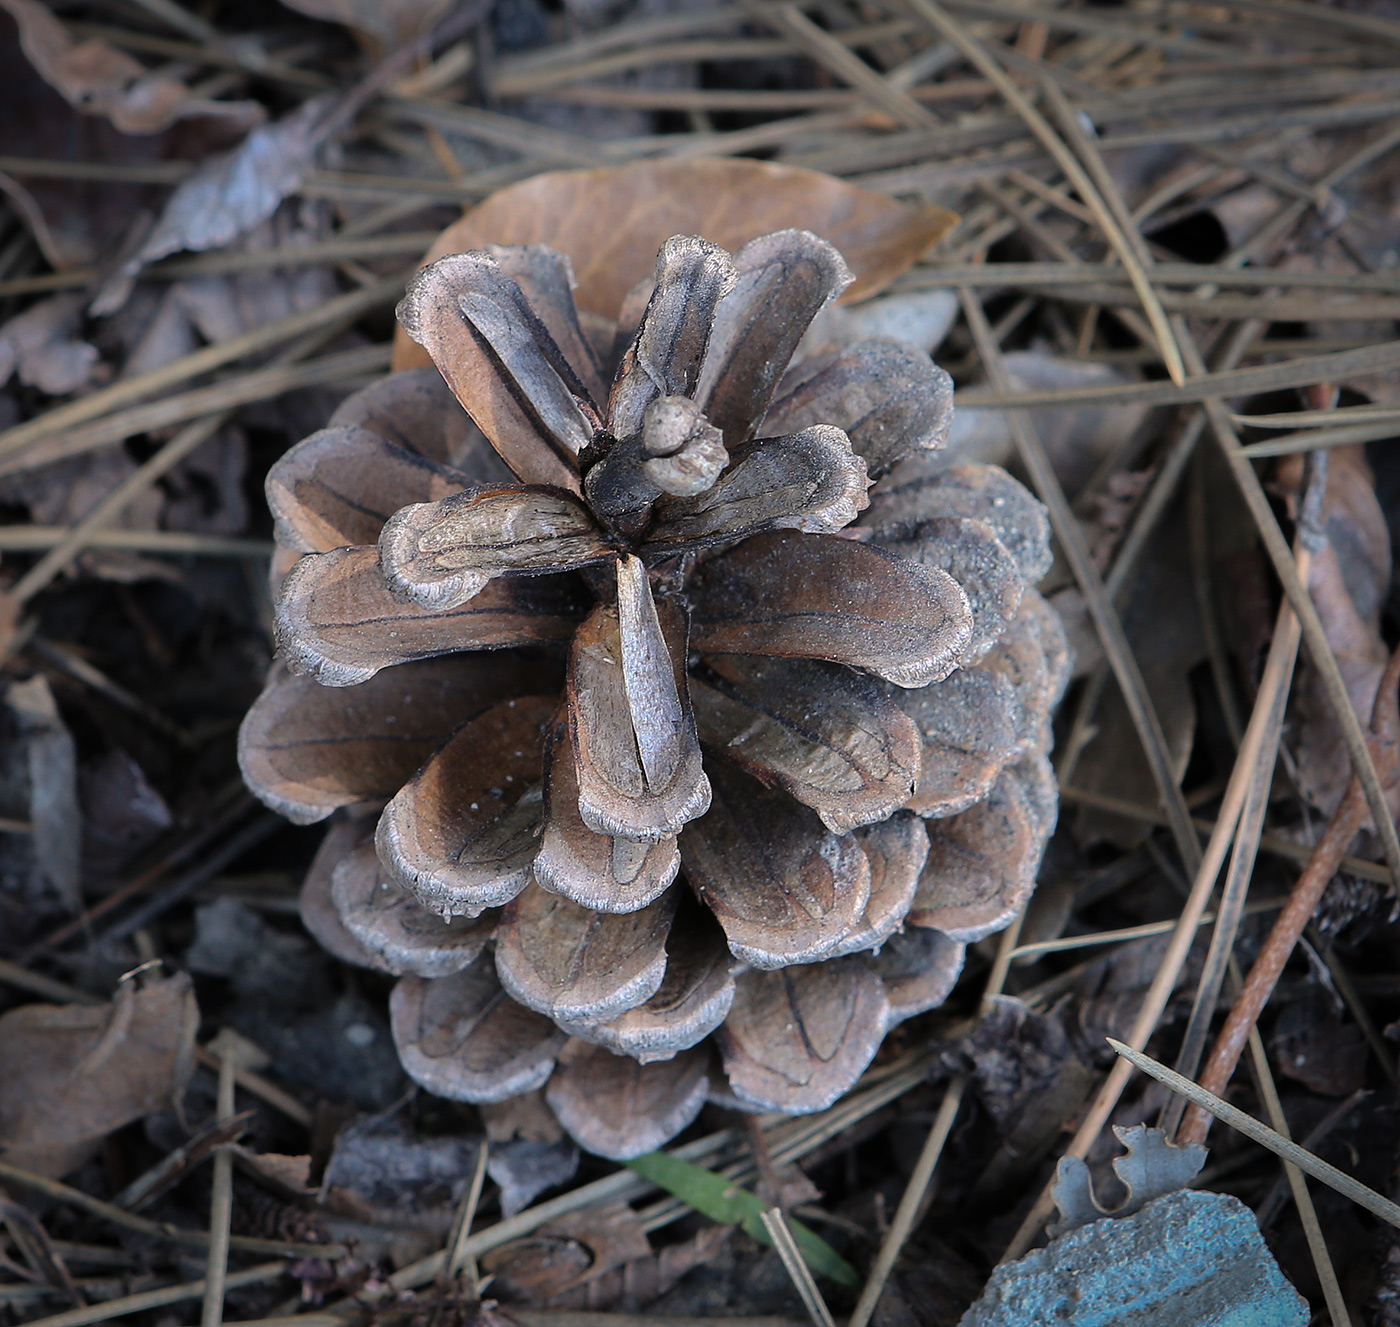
pixel 39 344
pixel 609 222
pixel 74 1073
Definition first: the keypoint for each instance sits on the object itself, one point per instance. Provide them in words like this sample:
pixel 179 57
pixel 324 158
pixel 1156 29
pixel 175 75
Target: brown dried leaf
pixel 74 1073
pixel 463 1038
pixel 503 365
pixel 896 849
pixel 98 79
pixel 817 596
pixel 636 755
pixel 440 554
pixel 416 410
pixel 805 481
pixel 597 871
pixel 798 1038
pixel 462 833
pixel 315 906
pixel 340 485
pixel 611 222
pixel 579 966
pixel 692 1001
pixel 919 968
pixel 618 1108
pixel 923 487
pixel 305 749
pixel 981 865
pixel 889 399
pixel 784 280
pixel 40 344
pixel 339 621
pixel 834 739
pixel 566 1254
pixel 785 889
pixel 393 926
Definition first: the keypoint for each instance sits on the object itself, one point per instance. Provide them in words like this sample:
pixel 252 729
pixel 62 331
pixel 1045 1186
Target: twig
pixel 154 1299
pixel 1261 1133
pixel 221 1201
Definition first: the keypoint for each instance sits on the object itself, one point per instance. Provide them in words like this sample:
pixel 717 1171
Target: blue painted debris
pixel 1188 1259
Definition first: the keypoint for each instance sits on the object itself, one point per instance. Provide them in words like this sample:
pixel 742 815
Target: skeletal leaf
pixel 922 487
pixel 440 554
pixel 635 751
pixel 796 1039
pixel 973 725
pixel 889 399
pixel 580 966
pixel 315 907
pixel 692 1001
pixel 416 410
pixel 818 596
pixel 974 557
pixel 567 1254
pixel 919 968
pixel 389 923
pixel 981 865
pixel 806 481
pixel 306 749
pixel 463 1038
pixel 597 871
pixel 784 279
pixel 834 739
pixel 340 485
pixel 618 1108
pixel 1151 1168
pixel 502 364
pixel 896 849
pixel 461 834
pixel 338 620
pixel 785 889
pixel 691 277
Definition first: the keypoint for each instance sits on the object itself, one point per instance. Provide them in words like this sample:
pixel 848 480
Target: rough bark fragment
pixel 393 926
pixel 579 966
pixel 785 889
pixel 463 1038
pixel 339 621
pixel 834 739
pixel 440 554
pixel 819 596
pixel 798 1038
pixel 889 399
pixel 306 749
pixel 461 834
pixel 619 1108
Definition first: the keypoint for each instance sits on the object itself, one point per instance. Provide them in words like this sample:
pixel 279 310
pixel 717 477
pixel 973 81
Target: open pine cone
pixel 707 739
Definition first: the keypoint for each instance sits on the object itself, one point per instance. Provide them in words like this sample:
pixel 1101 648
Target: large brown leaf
pixel 818 596
pixel 619 1108
pixel 580 966
pixel 461 834
pixel 75 1073
pixel 463 1038
pixel 440 554
pixel 889 399
pixel 785 889
pixel 502 364
pixel 305 749
pixel 919 969
pixel 692 1001
pixel 896 849
pixel 416 410
pixel 784 280
pixel 635 751
pixel 798 1038
pixel 805 481
pixel 832 738
pixel 596 871
pixel 612 222
pixel 981 865
pixel 338 620
pixel 340 485
pixel 393 926
pixel 315 907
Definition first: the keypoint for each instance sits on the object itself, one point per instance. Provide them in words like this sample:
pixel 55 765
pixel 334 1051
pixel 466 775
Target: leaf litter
pixel 1247 167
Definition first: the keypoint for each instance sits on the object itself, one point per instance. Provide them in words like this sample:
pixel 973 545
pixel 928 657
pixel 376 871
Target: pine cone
pixel 823 710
